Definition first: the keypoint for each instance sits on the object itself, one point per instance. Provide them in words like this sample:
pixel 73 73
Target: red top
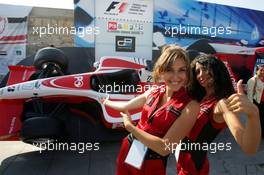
pixel 205 130
pixel 158 121
pixel 205 123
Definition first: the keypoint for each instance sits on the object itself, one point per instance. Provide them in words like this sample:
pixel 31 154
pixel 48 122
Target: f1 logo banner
pixel 114 4
pixel 125 28
pixel 125 44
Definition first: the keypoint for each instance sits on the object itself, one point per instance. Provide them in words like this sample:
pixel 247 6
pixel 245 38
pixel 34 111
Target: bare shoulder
pixel 193 106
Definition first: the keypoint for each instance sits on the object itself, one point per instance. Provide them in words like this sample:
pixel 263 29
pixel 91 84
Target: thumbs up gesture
pixel 239 103
pixel 240 89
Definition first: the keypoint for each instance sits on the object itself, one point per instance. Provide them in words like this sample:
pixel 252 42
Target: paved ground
pixel 17 158
pixel 234 162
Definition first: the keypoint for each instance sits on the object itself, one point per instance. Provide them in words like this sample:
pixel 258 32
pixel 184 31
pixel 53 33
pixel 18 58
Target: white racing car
pixel 40 102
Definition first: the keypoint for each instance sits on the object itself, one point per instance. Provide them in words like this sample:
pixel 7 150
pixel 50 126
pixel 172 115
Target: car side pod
pixel 10 123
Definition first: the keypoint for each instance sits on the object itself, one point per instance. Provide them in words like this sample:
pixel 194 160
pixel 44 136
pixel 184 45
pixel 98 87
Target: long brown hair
pixel 168 56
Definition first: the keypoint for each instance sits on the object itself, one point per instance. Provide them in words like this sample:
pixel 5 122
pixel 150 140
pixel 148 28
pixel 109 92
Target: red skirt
pixel 186 165
pixel 149 167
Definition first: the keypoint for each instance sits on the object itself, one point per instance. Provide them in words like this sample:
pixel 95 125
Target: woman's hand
pixel 127 120
pixel 239 103
pixel 247 135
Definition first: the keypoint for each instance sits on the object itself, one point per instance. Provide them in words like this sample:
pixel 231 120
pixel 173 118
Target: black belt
pixel 150 155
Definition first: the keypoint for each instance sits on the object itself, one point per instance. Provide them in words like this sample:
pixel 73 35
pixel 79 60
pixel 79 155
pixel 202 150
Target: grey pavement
pixel 17 158
pixel 235 162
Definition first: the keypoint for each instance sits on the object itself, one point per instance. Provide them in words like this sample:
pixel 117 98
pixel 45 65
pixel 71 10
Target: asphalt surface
pixel 17 158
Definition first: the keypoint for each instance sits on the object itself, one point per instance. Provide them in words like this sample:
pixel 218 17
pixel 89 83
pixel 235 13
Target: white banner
pixel 13 35
pixel 125 28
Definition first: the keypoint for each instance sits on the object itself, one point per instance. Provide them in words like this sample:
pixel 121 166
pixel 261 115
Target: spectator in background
pixel 255 92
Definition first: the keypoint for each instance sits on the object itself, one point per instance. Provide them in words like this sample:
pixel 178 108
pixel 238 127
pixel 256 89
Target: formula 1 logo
pixel 117 5
pixel 78 82
pixel 125 44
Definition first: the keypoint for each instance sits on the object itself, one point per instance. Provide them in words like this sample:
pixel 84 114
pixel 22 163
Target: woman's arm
pixel 134 103
pixel 248 136
pixel 179 129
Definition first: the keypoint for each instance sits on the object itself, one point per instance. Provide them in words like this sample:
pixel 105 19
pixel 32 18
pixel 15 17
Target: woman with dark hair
pixel 168 114
pixel 217 78
pixel 219 109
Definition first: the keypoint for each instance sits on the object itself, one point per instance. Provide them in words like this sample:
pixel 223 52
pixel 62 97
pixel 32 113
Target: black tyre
pixel 41 129
pixel 51 55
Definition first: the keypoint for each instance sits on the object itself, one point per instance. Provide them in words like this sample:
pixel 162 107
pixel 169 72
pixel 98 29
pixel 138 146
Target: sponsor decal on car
pixel 78 82
pixel 28 86
pixel 12 124
pixel 11 89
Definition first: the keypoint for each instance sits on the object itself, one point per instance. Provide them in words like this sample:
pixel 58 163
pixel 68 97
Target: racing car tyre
pixel 51 55
pixel 41 128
